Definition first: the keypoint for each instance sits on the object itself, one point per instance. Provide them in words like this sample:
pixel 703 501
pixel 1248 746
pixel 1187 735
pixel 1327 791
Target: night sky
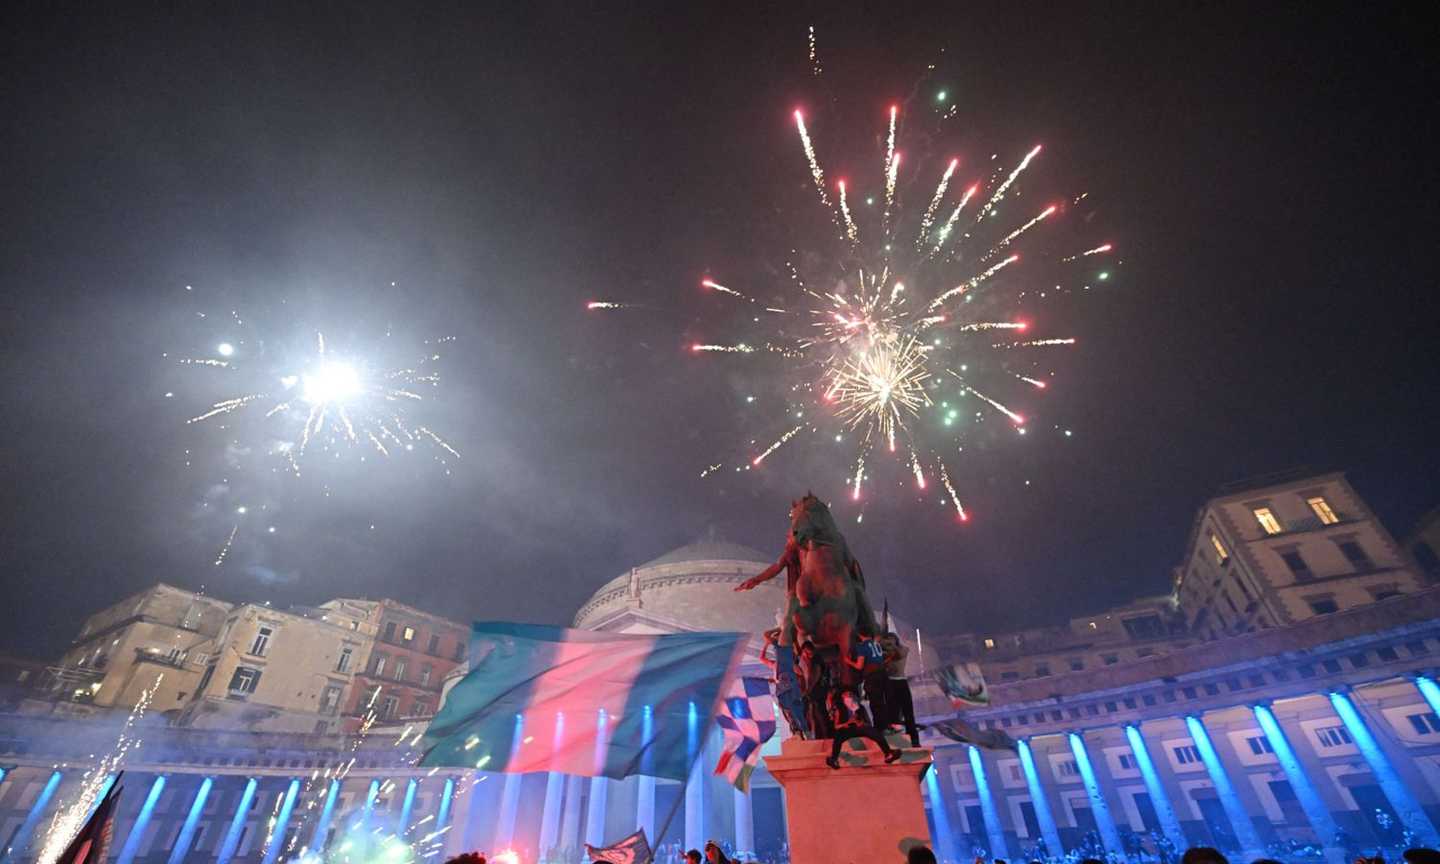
pixel 1270 180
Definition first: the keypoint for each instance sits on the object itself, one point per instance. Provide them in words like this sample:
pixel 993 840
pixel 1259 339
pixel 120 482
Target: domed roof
pixel 689 588
pixel 708 550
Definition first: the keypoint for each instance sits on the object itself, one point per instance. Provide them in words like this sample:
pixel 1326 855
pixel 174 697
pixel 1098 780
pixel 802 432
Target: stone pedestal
pixel 864 811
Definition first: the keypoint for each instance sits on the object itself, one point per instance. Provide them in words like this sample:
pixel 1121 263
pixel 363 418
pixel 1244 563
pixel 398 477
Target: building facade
pixel 121 650
pixel 279 671
pixel 1283 701
pixel 1321 734
pixel 413 652
pixel 1281 550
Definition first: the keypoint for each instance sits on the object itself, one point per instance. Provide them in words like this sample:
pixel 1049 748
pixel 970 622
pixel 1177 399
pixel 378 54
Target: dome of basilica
pixel 689 588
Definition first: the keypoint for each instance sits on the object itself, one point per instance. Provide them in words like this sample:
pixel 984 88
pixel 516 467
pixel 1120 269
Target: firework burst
pixel 898 350
pixel 274 398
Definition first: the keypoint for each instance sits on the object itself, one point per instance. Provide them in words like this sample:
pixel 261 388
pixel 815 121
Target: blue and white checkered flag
pixel 747 720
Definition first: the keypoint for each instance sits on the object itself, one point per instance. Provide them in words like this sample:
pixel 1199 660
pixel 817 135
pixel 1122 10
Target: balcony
pixel 171 660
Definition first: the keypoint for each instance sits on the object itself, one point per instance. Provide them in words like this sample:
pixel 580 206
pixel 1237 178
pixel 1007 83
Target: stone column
pixel 1038 800
pixel 695 807
pixel 550 815
pixel 645 807
pixel 744 823
pixel 595 814
pixel 994 830
pixel 1322 820
pixel 1159 798
pixel 509 807
pixel 1250 845
pixel 1098 806
pixel 462 812
pixel 1372 736
pixel 569 836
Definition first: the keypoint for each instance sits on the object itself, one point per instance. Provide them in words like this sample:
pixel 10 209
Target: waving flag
pixel 582 702
pixel 964 684
pixel 747 720
pixel 964 732
pixel 634 849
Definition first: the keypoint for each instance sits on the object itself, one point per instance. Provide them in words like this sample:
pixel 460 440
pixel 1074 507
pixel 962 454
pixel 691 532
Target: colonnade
pixel 1392 768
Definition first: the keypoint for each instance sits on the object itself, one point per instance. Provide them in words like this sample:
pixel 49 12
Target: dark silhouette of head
pixel 1422 855
pixel 920 854
pixel 1203 855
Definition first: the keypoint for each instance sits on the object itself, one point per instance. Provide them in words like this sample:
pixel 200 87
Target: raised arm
pixel 770 572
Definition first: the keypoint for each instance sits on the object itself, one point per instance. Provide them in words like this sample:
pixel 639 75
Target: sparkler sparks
pixel 882 339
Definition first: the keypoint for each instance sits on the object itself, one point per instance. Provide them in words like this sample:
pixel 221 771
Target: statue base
pixel 863 811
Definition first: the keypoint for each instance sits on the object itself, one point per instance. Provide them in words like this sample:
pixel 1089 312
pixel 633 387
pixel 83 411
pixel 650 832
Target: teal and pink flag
pixel 581 702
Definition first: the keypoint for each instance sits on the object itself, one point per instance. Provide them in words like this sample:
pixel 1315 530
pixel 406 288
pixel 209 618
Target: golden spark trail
pixel 929 218
pixel 992 325
pixel 439 442
pixel 1033 382
pixel 815 173
pixel 1000 192
pixel 1018 231
pixel 94 783
pixel 716 286
pixel 225 549
pixel 891 174
pixel 606 304
pixel 850 230
pixel 779 442
pixel 954 498
pixel 1034 343
pixel 1088 252
pixel 226 406
pixel 892 164
pixel 740 348
pixel 991 402
pixel 919 472
pixel 950 222
pixel 973 282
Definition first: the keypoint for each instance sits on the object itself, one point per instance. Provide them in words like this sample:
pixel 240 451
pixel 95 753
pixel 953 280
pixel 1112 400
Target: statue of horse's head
pixel 810 519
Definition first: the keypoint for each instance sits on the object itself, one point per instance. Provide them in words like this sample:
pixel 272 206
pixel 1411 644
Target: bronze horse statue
pixel 824 584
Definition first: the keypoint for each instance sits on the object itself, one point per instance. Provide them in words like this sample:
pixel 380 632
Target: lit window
pixel 989 643
pixel 1221 556
pixel 1333 736
pixel 1322 510
pixel 262 641
pixel 409 634
pixel 1267 520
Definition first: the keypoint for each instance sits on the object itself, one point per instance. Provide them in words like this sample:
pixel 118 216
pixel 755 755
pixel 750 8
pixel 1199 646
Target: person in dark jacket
pixel 900 703
pixel 850 720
